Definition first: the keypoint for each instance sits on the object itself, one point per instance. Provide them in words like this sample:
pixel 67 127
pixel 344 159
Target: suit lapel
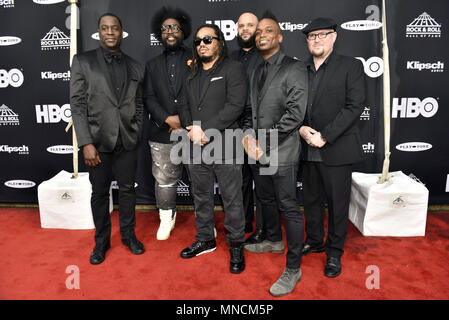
pixel 271 75
pixel 105 72
pixel 205 87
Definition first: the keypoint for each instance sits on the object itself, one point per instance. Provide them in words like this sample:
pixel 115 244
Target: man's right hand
pixel 91 156
pixel 173 122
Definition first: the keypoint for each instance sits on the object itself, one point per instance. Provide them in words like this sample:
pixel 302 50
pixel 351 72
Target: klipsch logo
pixel 289 26
pixel 7 3
pixel 414 146
pixel 18 149
pixel 413 107
pixel 430 66
pixel 20 184
pixel 61 149
pixel 55 39
pixel 183 189
pixel 13 78
pixel 49 75
pixel 9 41
pixel 423 27
pixel 47 1
pixel 52 113
pixel 8 117
pixel 368 147
pixel 365 116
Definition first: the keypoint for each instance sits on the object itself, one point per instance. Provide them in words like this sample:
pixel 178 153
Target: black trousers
pixel 323 183
pixel 229 177
pixel 122 164
pixel 277 194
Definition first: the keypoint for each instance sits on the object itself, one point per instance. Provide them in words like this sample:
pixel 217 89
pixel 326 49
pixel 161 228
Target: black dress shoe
pixel 307 248
pixel 237 264
pixel 257 237
pixel 248 227
pixel 134 245
pixel 332 268
pixel 197 248
pixel 99 254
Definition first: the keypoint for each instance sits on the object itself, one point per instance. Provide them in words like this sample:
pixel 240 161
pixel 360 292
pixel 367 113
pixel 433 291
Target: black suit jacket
pixel 159 100
pixel 336 109
pixel 221 101
pixel 96 112
pixel 281 106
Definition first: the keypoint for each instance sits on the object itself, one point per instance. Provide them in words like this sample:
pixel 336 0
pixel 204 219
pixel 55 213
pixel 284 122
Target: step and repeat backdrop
pixel 35 74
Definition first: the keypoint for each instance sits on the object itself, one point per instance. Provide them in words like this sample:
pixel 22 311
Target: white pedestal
pixel 396 208
pixel 64 203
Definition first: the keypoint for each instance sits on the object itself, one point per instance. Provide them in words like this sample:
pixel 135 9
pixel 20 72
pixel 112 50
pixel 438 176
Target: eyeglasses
pixel 206 40
pixel 173 27
pixel 321 35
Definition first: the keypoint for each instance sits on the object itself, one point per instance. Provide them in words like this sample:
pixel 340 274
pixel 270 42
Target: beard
pixel 246 43
pixel 206 59
pixel 172 47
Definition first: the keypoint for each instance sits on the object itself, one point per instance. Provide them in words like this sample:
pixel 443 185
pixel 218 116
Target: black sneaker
pixel 197 248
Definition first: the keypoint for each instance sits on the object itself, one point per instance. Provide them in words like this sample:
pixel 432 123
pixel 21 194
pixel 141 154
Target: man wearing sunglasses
pixel 330 139
pixel 165 75
pixel 216 91
pixel 278 97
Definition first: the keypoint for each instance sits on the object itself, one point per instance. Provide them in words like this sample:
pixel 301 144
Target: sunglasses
pixel 206 40
pixel 170 27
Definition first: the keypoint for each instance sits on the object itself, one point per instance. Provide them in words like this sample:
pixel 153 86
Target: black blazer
pixel 96 112
pixel 281 105
pixel 221 101
pixel 159 100
pixel 336 109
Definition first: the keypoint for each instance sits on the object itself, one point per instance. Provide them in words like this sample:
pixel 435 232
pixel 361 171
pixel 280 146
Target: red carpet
pixel 33 265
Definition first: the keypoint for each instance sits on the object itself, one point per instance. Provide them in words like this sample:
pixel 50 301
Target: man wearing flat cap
pixel 331 140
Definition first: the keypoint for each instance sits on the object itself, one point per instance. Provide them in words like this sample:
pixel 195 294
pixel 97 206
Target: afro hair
pixel 171 13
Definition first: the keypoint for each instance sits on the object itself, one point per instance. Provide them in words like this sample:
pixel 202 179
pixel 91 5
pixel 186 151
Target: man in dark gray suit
pixel 107 109
pixel 278 97
pixel 216 91
pixel 331 140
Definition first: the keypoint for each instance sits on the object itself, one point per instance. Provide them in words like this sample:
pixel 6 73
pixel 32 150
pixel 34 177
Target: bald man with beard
pixel 251 58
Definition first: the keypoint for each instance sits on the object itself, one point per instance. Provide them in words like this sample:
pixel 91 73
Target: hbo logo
pixel 413 107
pixel 374 66
pixel 228 27
pixel 52 113
pixel 13 78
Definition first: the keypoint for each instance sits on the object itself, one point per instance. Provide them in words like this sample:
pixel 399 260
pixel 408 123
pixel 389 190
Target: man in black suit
pixel 331 140
pixel 165 75
pixel 251 58
pixel 278 97
pixel 107 112
pixel 216 92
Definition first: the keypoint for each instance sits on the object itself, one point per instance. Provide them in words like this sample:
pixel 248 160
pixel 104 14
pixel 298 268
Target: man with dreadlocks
pixel 165 76
pixel 216 91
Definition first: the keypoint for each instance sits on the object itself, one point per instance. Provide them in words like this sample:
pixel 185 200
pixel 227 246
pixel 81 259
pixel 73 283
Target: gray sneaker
pixel 286 283
pixel 266 246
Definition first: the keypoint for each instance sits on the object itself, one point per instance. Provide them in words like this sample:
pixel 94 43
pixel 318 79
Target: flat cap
pixel 319 24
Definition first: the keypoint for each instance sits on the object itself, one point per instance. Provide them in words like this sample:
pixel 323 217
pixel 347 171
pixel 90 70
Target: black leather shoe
pixel 332 268
pixel 237 264
pixel 248 227
pixel 307 248
pixel 197 248
pixel 99 254
pixel 257 237
pixel 134 245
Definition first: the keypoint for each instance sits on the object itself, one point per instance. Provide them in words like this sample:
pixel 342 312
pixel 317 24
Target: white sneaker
pixel 167 224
